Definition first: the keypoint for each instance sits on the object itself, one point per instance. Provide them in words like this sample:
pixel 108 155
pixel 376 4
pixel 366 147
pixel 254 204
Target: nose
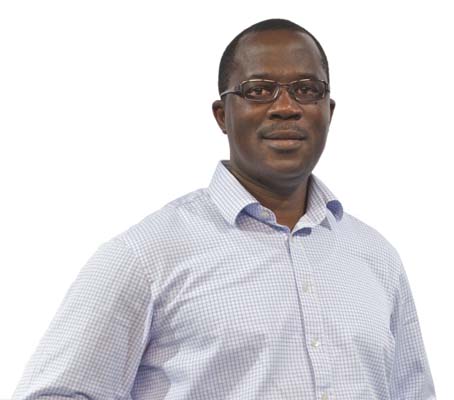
pixel 285 106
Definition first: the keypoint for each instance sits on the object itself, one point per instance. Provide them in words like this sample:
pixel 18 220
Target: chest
pixel 236 296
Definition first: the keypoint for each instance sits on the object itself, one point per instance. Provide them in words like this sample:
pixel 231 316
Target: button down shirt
pixel 210 298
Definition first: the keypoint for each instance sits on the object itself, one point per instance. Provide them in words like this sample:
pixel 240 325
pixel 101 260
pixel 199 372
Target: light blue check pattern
pixel 209 298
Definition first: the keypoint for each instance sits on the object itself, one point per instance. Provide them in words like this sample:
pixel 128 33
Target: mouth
pixel 284 141
pixel 285 135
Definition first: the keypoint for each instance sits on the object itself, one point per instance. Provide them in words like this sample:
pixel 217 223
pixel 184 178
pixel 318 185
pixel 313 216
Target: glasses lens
pixel 259 90
pixel 309 90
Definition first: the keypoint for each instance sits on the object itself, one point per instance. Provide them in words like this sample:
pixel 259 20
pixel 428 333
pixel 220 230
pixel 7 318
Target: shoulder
pixel 167 232
pixel 368 237
pixel 169 220
pixel 365 242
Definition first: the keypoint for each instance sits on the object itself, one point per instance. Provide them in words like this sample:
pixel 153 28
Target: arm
pixel 94 344
pixel 411 378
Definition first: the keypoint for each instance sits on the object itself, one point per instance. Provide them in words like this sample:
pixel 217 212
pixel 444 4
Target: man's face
pixel 283 56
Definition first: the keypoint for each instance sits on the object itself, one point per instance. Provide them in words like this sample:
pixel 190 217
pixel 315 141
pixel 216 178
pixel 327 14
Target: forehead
pixel 279 54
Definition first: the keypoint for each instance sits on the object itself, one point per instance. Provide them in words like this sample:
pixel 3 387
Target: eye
pixel 309 89
pixel 258 90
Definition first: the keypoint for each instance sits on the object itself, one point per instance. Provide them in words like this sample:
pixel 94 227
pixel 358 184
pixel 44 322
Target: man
pixel 257 287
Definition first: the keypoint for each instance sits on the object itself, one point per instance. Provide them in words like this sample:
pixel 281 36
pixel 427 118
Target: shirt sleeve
pixel 411 378
pixel 93 346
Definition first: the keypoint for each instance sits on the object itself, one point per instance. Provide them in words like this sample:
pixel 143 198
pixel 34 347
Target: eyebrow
pixel 267 76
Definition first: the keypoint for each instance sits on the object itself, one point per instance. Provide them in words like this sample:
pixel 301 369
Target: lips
pixel 285 135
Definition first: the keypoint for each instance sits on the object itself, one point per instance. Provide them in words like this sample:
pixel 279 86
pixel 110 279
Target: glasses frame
pixel 238 90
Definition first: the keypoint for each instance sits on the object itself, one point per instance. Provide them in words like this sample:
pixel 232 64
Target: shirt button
pixel 315 343
pixel 325 396
pixel 264 214
pixel 306 287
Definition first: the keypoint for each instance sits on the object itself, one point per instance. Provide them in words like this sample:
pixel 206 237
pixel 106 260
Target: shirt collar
pixel 231 198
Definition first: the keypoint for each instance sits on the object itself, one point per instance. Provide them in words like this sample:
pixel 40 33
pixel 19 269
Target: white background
pixel 94 136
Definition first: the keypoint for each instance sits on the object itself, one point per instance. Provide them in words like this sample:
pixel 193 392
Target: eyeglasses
pixel 265 90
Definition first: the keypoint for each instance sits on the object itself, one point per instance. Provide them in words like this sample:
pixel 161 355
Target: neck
pixel 288 203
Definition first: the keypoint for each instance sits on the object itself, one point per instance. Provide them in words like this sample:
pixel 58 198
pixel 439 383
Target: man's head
pixel 282 51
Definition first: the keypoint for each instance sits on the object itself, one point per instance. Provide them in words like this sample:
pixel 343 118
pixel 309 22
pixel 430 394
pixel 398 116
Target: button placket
pixel 311 312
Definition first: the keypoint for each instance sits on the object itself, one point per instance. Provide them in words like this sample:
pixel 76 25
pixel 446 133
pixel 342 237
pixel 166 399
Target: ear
pixel 332 105
pixel 219 114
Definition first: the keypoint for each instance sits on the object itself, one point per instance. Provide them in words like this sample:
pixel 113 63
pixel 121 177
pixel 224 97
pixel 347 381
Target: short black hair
pixel 227 60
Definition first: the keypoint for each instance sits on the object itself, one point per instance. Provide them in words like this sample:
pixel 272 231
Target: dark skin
pixel 277 177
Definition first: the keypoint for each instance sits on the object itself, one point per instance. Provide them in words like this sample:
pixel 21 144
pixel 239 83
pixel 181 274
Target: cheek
pixel 318 119
pixel 243 118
